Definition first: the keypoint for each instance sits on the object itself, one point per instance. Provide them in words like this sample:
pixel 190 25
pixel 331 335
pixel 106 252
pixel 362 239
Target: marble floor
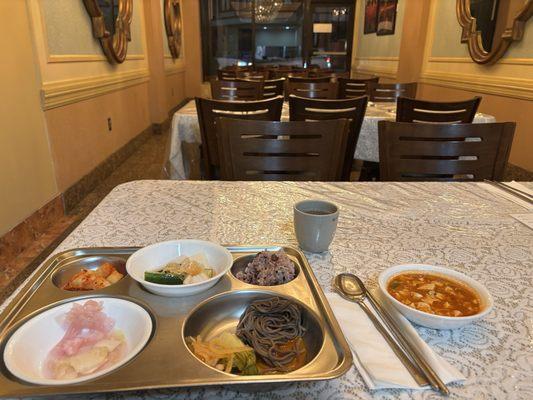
pixel 146 163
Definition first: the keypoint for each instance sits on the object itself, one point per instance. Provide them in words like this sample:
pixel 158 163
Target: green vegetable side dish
pixel 183 271
pixel 163 278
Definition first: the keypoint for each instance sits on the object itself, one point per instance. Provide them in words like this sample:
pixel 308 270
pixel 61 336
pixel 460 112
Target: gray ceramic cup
pixel 315 222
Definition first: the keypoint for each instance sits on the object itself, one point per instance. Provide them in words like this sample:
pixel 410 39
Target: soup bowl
pixel 432 320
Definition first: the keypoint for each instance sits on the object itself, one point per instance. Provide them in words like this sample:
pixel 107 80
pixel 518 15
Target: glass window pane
pixel 330 36
pixel 278 38
pixel 230 26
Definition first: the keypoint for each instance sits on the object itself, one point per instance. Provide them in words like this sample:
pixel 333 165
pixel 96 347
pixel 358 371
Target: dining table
pixel 186 129
pixel 462 226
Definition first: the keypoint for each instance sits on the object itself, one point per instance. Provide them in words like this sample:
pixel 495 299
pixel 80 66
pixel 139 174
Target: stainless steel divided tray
pixel 166 361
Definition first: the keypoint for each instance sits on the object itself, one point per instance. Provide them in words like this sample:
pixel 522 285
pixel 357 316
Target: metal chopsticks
pixel 515 192
pixel 404 342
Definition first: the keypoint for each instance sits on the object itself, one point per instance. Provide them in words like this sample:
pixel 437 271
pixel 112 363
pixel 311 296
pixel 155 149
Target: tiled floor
pixel 146 163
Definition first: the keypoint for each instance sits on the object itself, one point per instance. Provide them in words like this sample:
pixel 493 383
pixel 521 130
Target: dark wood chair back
pixel 412 110
pixel 271 88
pixel 284 151
pixel 253 75
pixel 443 152
pixel 298 79
pixel 280 72
pixel 313 90
pixel 231 72
pixel 209 110
pixel 302 109
pixel 389 92
pixel 350 88
pixel 233 90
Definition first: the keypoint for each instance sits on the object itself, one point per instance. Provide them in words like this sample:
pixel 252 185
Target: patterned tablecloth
pixel 185 128
pixel 459 225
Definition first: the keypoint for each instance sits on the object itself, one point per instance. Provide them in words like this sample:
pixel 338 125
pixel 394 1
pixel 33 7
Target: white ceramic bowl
pixel 28 347
pixel 155 256
pixel 432 320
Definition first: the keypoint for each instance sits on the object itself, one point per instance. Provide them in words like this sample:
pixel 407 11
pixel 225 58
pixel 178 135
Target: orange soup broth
pixel 434 294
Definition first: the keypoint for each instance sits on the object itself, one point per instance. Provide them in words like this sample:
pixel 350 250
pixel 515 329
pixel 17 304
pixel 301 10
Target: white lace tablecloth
pixel 185 128
pixel 458 225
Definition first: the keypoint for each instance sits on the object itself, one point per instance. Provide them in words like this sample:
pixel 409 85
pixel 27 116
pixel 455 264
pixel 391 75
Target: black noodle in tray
pixel 265 321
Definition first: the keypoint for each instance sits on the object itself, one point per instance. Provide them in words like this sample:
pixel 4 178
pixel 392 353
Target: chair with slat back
pixel 412 110
pixel 298 79
pixel 318 90
pixel 287 151
pixel 443 152
pixel 271 88
pixel 280 72
pixel 231 72
pixel 389 92
pixel 350 88
pixel 209 110
pixel 302 109
pixel 233 90
pixel 253 75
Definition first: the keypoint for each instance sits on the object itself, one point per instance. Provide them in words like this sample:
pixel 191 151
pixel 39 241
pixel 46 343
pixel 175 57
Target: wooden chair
pixel 443 152
pixel 389 92
pixel 209 110
pixel 411 110
pixel 302 109
pixel 231 72
pixel 233 90
pixel 288 151
pixel 271 88
pixel 350 88
pixel 253 75
pixel 298 79
pixel 314 90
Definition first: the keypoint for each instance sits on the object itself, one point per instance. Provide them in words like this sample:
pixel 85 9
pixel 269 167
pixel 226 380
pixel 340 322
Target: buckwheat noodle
pixel 267 324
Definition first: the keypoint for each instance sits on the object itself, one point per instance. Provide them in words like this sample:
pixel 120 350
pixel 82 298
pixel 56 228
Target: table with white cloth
pixel 185 129
pixel 462 226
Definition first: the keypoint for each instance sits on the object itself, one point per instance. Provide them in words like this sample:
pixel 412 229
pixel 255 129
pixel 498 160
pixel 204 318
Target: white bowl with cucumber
pixel 179 267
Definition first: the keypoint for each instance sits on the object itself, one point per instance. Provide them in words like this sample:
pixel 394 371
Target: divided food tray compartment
pixel 166 361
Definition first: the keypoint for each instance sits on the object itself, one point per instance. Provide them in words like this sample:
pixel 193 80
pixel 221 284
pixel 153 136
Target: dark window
pixel 276 32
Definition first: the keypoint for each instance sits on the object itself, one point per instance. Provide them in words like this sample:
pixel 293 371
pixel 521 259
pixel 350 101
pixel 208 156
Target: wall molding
pixel 377 58
pixel 68 91
pixel 497 85
pixel 384 72
pixel 174 70
pixel 66 58
pixel 468 60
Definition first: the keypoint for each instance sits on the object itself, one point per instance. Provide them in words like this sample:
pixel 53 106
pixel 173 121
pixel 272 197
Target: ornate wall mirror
pixel 111 20
pixel 173 26
pixel 490 26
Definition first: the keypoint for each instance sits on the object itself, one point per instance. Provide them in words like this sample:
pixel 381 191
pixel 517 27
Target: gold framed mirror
pixel 173 26
pixel 490 26
pixel 111 20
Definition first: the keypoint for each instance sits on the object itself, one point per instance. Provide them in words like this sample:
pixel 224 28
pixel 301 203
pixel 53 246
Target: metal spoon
pixel 351 288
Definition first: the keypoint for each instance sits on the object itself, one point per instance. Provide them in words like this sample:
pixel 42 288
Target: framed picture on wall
pixel 371 16
pixel 386 16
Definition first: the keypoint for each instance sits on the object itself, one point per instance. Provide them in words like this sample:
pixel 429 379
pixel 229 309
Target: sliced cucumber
pixel 164 278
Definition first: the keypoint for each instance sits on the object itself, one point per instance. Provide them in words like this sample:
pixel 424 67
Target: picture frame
pixel 371 17
pixel 386 21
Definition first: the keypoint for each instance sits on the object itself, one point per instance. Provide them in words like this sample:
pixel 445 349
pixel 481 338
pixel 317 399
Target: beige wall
pixel 62 90
pixel 430 52
pixel 377 54
pixel 26 170
pixel 79 132
pixel 506 87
